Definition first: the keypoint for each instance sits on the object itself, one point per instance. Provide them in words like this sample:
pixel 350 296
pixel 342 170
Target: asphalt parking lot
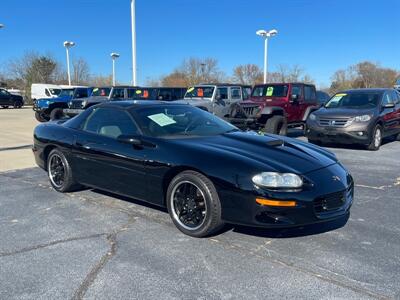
pixel 90 244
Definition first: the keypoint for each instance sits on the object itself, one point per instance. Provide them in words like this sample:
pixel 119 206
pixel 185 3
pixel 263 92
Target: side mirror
pixel 129 139
pixel 218 97
pixel 294 98
pixel 389 105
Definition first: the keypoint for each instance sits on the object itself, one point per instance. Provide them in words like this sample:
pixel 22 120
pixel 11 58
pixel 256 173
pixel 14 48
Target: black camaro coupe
pixel 203 169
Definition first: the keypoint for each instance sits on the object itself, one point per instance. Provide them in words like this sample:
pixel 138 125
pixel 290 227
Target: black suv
pixel 7 99
pixel 360 116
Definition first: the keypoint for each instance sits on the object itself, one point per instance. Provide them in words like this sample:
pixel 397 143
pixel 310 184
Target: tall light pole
pixel 68 45
pixel 266 34
pixel 133 25
pixel 114 56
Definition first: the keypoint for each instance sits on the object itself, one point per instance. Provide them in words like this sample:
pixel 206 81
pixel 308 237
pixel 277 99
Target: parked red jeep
pixel 275 107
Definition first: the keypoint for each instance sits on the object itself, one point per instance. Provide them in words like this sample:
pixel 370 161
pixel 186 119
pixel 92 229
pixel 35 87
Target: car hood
pixel 343 112
pixel 194 102
pixel 274 153
pixel 92 99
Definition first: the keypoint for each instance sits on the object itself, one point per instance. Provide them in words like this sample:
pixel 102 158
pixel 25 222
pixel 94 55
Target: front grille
pixel 250 110
pixel 76 104
pixel 337 122
pixel 330 202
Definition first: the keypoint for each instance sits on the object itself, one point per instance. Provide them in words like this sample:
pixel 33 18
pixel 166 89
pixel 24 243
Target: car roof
pixel 280 83
pixel 127 104
pixel 366 90
pixel 222 84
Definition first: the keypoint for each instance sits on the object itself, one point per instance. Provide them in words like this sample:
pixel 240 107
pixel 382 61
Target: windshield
pixel 355 100
pixel 200 92
pixel 101 92
pixel 55 92
pixel 172 121
pixel 66 92
pixel 275 90
pixel 398 82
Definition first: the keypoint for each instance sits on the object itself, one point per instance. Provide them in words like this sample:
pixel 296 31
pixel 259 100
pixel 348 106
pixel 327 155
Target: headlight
pixel 363 118
pixel 277 180
pixel 83 104
pixel 312 117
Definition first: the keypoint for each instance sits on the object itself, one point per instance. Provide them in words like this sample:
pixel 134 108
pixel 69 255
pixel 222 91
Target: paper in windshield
pixel 162 119
pixel 270 91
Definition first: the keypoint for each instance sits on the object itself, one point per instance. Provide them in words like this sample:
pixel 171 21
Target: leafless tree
pixel 81 72
pixel 248 74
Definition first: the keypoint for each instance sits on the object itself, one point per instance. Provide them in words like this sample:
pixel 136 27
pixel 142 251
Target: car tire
pixel 376 138
pixel 40 117
pixel 60 172
pixel 18 104
pixel 4 106
pixel 56 114
pixel 195 195
pixel 276 125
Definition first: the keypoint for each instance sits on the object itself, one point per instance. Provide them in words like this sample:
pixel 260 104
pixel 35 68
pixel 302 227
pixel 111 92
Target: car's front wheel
pixel 376 138
pixel 60 172
pixel 56 114
pixel 276 125
pixel 40 117
pixel 193 204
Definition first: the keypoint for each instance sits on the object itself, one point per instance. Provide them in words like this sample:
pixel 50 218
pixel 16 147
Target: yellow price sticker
pixel 270 90
pixel 190 90
pixel 138 92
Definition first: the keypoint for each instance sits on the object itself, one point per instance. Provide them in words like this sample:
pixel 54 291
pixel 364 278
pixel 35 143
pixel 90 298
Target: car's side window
pixel 118 93
pixel 110 122
pixel 309 94
pixel 46 91
pixel 297 91
pixel 386 99
pixel 393 97
pixel 223 92
pixel 3 92
pixel 235 93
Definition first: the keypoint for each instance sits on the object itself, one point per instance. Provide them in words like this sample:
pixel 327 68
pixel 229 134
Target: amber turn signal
pixel 284 203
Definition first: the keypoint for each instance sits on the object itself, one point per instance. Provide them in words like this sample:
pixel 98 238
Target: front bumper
pixel 356 133
pixel 330 197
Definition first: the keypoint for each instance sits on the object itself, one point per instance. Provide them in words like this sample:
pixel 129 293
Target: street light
pixel 114 56
pixel 133 27
pixel 68 45
pixel 266 34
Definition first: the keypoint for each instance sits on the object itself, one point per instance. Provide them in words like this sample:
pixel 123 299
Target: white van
pixel 43 90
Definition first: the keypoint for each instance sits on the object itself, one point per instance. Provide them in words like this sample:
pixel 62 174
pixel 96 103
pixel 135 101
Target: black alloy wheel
pixel 60 172
pixel 193 204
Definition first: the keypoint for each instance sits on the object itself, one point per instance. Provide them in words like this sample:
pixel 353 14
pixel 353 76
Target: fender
pixel 308 111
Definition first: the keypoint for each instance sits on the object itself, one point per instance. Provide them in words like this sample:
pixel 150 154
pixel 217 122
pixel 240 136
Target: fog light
pixel 360 133
pixel 268 202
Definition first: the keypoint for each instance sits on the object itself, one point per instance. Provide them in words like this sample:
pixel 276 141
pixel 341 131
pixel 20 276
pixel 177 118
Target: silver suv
pixel 218 99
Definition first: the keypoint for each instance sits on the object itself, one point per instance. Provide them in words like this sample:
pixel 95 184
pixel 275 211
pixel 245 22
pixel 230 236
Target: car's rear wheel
pixel 40 117
pixel 60 172
pixel 56 114
pixel 376 138
pixel 276 125
pixel 193 204
pixel 17 104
